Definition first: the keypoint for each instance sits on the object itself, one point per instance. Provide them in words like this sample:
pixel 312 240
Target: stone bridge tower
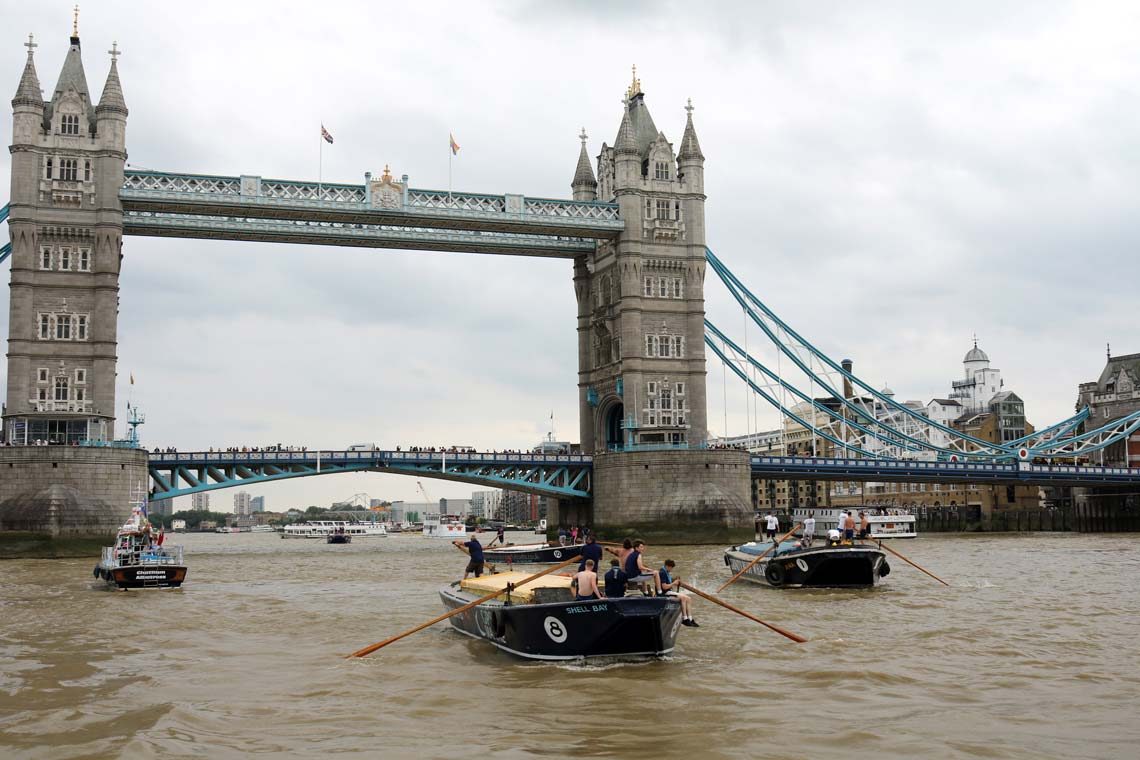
pixel 66 224
pixel 641 352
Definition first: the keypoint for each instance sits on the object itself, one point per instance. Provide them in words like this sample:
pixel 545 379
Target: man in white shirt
pixel 809 529
pixel 773 525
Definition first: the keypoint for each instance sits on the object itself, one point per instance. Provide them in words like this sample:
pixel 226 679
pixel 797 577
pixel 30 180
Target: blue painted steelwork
pixel 558 475
pixel 895 470
pixel 391 206
pixel 7 247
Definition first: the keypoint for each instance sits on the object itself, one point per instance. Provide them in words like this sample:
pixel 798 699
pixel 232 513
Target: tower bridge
pixel 634 231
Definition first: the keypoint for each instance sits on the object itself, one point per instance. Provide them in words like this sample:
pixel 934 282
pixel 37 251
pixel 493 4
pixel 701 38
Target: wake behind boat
pixel 532 554
pixel 852 565
pixel 540 621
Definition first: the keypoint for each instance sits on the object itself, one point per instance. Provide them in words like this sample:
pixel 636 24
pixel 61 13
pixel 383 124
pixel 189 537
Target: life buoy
pixel 884 569
pixel 774 574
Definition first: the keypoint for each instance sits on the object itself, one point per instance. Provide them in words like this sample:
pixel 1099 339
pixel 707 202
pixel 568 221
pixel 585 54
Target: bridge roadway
pixel 570 475
pixel 374 214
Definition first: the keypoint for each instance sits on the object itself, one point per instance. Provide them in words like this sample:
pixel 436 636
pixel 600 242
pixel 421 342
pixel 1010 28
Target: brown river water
pixel 1033 652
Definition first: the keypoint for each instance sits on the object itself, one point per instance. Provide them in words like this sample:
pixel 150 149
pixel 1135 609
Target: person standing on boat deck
pixel 864 525
pixel 809 529
pixel 587 583
pixel 498 537
pixel 637 571
pixel 672 587
pixel 841 526
pixel 616 580
pixel 849 527
pixel 773 526
pixel 475 549
pixel 591 551
pixel 562 536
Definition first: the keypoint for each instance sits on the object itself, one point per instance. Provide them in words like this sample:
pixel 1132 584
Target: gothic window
pixel 648 208
pixel 81 327
pixel 48 168
pixel 69 124
pixel 86 171
pixel 63 327
pixel 661 170
pixel 45 257
pixel 68 169
pixel 80 394
pixel 678 288
pixel 677 210
pixel 663 287
pixel 651 345
pixel 42 375
pixel 666 350
pixel 61 389
pixel 663 209
pixel 84 259
pixel 45 327
pixel 666 400
pixel 649 287
pixel 65 258
pixel 680 389
pixel 42 394
pixel 651 388
pixel 678 346
pixel 80 377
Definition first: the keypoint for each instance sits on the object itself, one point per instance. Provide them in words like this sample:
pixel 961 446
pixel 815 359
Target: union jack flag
pixel 325 134
pixel 454 145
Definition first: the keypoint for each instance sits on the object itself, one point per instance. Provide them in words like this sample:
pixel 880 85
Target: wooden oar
pixel 370 649
pixel 793 636
pixel 758 558
pixel 912 562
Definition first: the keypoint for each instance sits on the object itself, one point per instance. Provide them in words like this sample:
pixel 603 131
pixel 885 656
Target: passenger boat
pixel 540 621
pixel 834 564
pixel 890 522
pixel 322 528
pixel 532 554
pixel 137 560
pixel 443 526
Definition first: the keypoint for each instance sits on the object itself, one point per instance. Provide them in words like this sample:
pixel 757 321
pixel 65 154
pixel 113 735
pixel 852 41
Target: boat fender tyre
pixel 884 569
pixel 727 561
pixel 774 574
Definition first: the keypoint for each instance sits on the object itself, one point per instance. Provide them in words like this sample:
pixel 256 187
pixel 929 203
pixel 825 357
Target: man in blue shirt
pixel 615 580
pixel 590 551
pixel 475 549
pixel 637 571
pixel 672 587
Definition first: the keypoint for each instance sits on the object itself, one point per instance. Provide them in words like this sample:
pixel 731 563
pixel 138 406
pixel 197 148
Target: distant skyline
pixel 890 178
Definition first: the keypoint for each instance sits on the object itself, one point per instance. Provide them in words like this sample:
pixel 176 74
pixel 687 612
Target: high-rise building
pixel 200 501
pixel 257 504
pixel 241 503
pixel 161 507
pixel 487 504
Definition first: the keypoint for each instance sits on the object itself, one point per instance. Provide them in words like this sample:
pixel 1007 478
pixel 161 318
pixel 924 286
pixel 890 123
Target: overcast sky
pixel 890 179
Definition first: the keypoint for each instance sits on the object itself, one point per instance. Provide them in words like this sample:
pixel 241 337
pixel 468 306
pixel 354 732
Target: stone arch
pixel 611 415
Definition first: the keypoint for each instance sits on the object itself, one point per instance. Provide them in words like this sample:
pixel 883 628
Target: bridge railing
pixel 412 457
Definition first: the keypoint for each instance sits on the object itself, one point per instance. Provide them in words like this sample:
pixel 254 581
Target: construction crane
pixel 420 485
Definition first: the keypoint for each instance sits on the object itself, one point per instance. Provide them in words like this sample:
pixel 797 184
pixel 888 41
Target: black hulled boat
pixel 828 564
pixel 540 621
pixel 338 536
pixel 532 554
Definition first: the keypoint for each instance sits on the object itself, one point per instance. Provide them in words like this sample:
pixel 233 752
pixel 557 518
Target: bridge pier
pixel 696 496
pixel 65 500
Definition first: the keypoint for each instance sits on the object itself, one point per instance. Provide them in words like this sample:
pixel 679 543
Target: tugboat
pixel 532 554
pixel 338 536
pixel 541 620
pixel 139 560
pixel 793 565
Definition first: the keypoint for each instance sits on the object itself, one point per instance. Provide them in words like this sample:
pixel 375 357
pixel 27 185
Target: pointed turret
pixel 72 83
pixel 690 146
pixel 585 187
pixel 112 100
pixel 626 142
pixel 28 93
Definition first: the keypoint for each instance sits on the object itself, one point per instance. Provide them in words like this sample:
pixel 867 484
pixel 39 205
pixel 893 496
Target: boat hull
pixel 849 566
pixel 338 538
pixel 537 555
pixel 632 626
pixel 144 576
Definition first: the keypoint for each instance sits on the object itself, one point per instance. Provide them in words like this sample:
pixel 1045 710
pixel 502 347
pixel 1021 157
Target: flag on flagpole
pixel 132 378
pixel 325 134
pixel 454 145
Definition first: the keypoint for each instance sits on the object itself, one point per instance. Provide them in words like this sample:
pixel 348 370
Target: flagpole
pixel 320 161
pixel 450 155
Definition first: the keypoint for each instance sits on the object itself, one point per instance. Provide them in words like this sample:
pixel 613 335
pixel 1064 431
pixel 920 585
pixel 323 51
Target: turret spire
pixel 584 183
pixel 75 24
pixel 626 141
pixel 112 99
pixel 690 146
pixel 28 93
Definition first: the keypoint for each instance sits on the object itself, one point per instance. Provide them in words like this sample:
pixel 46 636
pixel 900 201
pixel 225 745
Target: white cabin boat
pixel 886 522
pixel 322 528
pixel 444 526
